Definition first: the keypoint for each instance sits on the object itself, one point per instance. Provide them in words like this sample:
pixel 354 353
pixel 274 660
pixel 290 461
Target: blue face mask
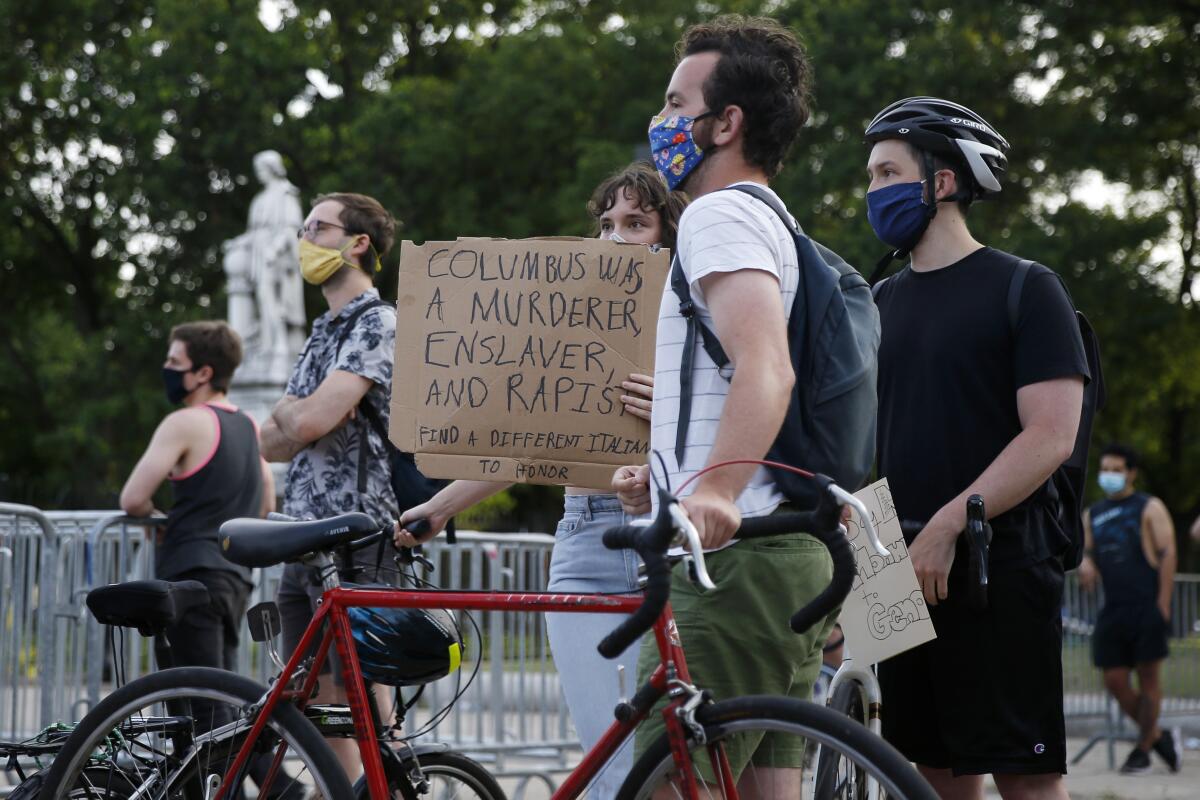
pixel 1111 482
pixel 898 214
pixel 674 151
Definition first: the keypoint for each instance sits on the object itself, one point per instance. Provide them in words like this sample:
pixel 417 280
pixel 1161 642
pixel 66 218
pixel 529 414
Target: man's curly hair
pixel 763 70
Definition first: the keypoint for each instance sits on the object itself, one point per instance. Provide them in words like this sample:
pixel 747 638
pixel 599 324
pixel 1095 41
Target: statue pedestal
pixel 257 398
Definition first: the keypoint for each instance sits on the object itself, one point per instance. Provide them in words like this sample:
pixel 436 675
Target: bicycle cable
pixel 762 462
pixel 461 689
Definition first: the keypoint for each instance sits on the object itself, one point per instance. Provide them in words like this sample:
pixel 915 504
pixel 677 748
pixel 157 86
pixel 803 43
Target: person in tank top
pixel 208 451
pixel 1129 543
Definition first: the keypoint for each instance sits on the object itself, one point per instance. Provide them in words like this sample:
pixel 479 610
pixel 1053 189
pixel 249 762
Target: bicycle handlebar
pixel 978 534
pixel 651 543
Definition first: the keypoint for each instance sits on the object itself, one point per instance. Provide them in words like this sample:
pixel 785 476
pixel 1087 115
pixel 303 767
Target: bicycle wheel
pixel 447 776
pixel 115 787
pixel 175 733
pixel 761 740
pixel 837 777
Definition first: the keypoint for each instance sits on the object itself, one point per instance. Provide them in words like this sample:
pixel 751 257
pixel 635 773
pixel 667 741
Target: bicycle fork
pixel 870 700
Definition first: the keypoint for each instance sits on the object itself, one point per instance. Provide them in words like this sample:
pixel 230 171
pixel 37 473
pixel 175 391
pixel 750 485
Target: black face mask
pixel 173 383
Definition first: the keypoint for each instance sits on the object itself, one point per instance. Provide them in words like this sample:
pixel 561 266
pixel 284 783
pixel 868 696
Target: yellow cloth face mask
pixel 317 264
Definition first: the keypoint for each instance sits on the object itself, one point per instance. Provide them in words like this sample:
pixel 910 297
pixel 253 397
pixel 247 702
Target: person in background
pixel 337 462
pixel 1129 547
pixel 208 450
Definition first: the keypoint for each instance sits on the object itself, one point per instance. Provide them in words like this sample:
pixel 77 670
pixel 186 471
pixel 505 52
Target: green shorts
pixel 737 639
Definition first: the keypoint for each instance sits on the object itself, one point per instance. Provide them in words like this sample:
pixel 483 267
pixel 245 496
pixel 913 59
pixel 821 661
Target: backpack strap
pixel 687 309
pixel 1016 285
pixel 345 328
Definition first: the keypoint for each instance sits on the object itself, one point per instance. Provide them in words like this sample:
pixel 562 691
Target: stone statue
pixel 266 293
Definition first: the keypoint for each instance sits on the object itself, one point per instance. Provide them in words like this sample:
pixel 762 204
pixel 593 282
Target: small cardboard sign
pixel 510 356
pixel 885 612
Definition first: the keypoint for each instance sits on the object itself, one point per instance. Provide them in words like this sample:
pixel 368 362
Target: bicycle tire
pixel 31 788
pixel 147 758
pixel 836 778
pixel 807 722
pixel 449 773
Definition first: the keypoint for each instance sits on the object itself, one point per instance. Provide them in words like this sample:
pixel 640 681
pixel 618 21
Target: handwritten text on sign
pixel 885 612
pixel 510 357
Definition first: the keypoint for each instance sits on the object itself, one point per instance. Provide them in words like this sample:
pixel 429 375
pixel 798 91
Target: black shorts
pixel 1126 636
pixel 986 696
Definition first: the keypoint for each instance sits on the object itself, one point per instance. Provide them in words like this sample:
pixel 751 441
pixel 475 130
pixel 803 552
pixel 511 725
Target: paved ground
pixel 1092 780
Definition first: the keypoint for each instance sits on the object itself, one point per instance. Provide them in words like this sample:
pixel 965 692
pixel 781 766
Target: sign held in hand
pixel 510 357
pixel 885 612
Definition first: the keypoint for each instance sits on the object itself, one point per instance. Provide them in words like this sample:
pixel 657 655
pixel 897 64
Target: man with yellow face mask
pixel 338 462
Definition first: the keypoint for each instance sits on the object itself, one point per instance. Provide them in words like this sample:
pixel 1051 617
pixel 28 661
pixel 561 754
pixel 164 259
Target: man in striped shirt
pixel 734 106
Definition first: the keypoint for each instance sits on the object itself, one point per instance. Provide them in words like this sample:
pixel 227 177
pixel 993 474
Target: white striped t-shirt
pixel 723 231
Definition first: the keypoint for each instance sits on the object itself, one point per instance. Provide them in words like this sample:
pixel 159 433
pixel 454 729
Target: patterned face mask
pixel 674 151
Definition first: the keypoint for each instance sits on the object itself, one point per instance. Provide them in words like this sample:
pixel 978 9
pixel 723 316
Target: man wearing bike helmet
pixel 971 404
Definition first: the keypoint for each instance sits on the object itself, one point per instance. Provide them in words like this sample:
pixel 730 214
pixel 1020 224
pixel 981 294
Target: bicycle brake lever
pixel 689 536
pixel 845 498
pixel 979 539
pixel 407 556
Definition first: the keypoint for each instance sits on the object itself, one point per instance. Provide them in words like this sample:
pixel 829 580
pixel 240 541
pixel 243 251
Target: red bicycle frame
pixel 333 610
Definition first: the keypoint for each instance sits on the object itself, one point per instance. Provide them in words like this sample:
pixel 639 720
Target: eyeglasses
pixel 315 227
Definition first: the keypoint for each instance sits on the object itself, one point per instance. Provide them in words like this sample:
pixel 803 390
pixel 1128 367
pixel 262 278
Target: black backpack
pixel 1064 491
pixel 833 339
pixel 411 487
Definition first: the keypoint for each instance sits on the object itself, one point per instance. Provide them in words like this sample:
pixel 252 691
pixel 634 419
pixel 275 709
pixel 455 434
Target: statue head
pixel 268 166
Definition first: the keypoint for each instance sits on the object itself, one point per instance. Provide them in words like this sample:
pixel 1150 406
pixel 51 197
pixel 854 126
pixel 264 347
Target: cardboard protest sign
pixel 885 612
pixel 510 357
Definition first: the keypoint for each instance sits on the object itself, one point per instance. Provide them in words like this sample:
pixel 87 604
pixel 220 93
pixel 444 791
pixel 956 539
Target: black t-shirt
pixel 949 369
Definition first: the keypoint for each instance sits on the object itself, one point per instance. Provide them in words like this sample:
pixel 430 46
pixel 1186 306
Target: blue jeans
pixel 581 563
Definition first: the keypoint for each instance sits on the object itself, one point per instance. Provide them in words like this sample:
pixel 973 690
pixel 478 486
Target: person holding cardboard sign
pixel 635 206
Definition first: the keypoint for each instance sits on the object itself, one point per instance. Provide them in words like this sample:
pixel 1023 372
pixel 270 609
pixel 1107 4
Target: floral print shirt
pixel 322 479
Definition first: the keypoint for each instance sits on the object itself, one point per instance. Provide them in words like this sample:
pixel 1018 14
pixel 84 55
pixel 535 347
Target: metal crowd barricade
pixel 55 663
pixel 512 715
pixel 28 585
pixel 1084 694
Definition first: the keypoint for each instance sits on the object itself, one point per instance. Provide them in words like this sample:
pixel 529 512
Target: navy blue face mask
pixel 898 214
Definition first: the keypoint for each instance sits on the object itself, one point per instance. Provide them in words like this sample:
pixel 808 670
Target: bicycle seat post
pixel 323 562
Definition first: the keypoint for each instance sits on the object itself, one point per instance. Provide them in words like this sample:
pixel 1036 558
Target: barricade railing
pixel 1084 694
pixel 28 585
pixel 513 709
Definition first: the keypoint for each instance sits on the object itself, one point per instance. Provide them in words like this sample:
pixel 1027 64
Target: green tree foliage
pixel 127 127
